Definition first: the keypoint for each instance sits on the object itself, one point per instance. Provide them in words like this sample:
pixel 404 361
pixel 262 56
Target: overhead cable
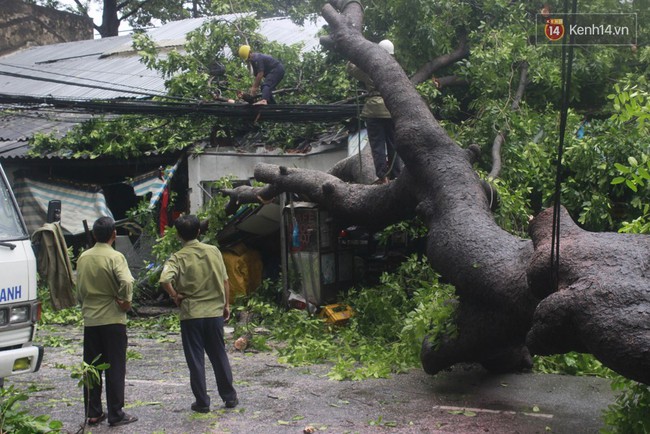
pixel 75 79
pixel 272 112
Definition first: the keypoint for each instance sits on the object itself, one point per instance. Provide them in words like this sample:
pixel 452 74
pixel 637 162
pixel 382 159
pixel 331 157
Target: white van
pixel 20 309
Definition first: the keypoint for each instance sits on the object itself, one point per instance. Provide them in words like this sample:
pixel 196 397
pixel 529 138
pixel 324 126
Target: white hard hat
pixel 388 46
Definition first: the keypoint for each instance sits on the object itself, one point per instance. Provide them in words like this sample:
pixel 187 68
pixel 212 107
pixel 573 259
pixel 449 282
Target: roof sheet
pixel 105 68
pixel 17 128
pixel 108 68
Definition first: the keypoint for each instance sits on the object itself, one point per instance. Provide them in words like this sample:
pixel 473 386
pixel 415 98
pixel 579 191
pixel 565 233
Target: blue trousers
pixel 381 136
pixel 110 342
pixel 271 80
pixel 205 336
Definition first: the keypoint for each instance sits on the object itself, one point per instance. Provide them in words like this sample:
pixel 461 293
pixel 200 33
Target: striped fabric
pixel 154 183
pixel 148 183
pixel 78 203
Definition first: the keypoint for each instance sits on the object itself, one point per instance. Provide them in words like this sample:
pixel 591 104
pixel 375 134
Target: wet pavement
pixel 277 398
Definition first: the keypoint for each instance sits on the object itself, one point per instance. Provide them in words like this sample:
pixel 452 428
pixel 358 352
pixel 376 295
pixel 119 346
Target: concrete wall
pixel 211 166
pixel 24 25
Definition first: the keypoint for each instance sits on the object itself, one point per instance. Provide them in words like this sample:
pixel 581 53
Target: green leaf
pixel 621 168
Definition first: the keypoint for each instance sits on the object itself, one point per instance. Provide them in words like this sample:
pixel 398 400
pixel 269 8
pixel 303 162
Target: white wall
pixel 211 166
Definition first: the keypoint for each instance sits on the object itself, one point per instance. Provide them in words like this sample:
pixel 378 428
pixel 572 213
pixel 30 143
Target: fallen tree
pixel 508 303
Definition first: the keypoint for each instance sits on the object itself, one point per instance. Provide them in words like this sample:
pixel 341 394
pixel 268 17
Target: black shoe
pixel 127 419
pixel 232 404
pixel 94 421
pixel 199 409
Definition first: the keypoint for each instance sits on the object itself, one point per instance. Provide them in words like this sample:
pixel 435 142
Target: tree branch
pixel 449 81
pixel 427 70
pixel 133 11
pixel 501 135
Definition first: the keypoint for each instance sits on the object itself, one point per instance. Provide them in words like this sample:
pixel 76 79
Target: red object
pixel 164 203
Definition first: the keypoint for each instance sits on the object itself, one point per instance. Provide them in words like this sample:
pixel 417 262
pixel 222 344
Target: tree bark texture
pixel 603 302
pixel 602 305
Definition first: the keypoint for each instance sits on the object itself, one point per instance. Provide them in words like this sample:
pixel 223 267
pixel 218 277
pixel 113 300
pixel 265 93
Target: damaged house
pixel 110 70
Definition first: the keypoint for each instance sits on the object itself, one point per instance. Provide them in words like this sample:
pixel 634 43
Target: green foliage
pixel 89 374
pixel 310 78
pixel 164 323
pixel 632 102
pixel 124 137
pixel 384 335
pixel 133 355
pixel 413 229
pixel 17 421
pixel 189 74
pixel 630 414
pixel 572 363
pixel 213 212
pixel 514 211
pixel 70 315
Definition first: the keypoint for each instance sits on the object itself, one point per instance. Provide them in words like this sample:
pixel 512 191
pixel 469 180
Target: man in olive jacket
pixel 195 278
pixel 105 291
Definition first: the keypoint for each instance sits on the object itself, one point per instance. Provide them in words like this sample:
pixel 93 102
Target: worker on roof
pixel 380 126
pixel 268 72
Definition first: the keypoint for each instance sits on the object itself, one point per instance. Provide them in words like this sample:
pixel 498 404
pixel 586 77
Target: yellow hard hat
pixel 244 51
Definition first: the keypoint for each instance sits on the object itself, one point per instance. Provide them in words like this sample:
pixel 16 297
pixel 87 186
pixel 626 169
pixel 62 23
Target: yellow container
pixel 336 313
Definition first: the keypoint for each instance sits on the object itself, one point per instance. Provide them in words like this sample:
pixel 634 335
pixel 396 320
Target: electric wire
pixel 272 112
pixel 91 80
pixel 99 87
pixel 567 67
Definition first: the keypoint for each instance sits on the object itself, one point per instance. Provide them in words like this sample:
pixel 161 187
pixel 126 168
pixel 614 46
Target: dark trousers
pixel 205 336
pixel 381 136
pixel 271 80
pixel 109 343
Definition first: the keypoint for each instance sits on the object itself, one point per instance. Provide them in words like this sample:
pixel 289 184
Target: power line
pixel 53 80
pixel 76 77
pixel 273 112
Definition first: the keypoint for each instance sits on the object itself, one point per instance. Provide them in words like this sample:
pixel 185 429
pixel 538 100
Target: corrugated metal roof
pixel 106 68
pixel 284 31
pixel 17 128
pixel 111 64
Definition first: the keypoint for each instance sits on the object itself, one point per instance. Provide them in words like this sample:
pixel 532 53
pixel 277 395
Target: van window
pixel 11 227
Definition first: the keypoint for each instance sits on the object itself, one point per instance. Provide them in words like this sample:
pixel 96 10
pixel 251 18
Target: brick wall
pixel 23 25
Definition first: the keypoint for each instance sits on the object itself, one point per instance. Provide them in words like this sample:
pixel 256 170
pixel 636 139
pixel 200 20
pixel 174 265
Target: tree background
pixel 472 95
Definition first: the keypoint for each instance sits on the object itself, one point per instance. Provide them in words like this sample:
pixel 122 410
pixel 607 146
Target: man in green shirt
pixel 195 278
pixel 105 291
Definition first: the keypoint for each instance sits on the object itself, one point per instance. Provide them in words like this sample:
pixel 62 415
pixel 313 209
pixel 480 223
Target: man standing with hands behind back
pixel 105 291
pixel 195 278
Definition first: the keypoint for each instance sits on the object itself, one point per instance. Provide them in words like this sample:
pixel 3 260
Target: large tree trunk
pixel 603 302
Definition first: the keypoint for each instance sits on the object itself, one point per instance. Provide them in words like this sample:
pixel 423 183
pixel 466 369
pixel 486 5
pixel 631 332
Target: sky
pixel 96 15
